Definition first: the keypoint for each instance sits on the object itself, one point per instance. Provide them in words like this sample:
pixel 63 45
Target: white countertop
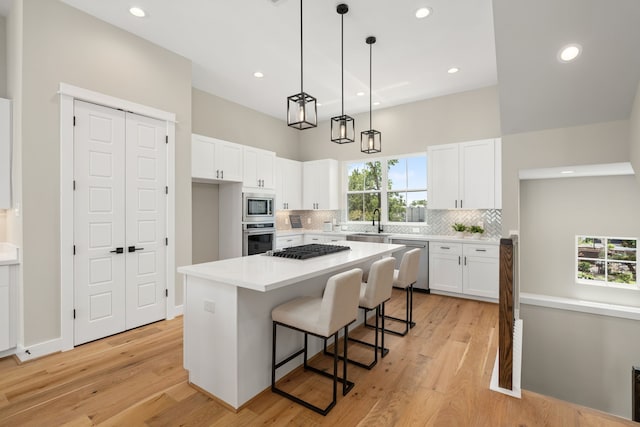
pixel 264 273
pixel 8 254
pixel 421 237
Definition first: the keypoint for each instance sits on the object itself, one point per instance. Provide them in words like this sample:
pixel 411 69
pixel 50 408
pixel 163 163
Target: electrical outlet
pixel 286 220
pixel 308 220
pixel 210 306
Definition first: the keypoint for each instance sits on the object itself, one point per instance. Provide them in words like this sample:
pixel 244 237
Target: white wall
pixel 410 128
pixel 78 49
pixel 634 152
pixel 204 222
pixel 3 57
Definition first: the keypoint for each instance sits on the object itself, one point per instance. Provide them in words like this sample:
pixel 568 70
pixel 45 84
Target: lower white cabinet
pixel 289 241
pixel 322 238
pixel 8 304
pixel 465 268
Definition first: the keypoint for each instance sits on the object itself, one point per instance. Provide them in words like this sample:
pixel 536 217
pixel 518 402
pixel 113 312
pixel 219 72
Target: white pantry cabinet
pixel 8 306
pixel 465 175
pixel 464 268
pixel 215 160
pixel 5 153
pixel 259 169
pixel 288 184
pixel 320 183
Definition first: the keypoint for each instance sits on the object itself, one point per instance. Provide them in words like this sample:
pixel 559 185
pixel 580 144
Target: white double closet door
pixel 119 221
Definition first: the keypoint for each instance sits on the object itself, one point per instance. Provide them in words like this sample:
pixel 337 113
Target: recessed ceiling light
pixel 376 103
pixel 360 94
pixel 567 172
pixel 569 52
pixel 453 70
pixel 423 12
pixel 137 12
pixel 258 75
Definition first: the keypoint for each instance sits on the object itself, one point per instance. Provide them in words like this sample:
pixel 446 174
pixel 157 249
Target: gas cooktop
pixel 309 251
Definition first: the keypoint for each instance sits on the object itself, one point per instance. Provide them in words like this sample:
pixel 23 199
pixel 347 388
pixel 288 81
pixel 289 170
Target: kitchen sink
pixel 369 237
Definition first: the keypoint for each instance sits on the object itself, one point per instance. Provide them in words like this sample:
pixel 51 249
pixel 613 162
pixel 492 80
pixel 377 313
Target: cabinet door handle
pixel 465 260
pixel 222 174
pixel 456 203
pixel 460 203
pixel 458 259
pixel 445 247
pixel 217 173
pixel 481 250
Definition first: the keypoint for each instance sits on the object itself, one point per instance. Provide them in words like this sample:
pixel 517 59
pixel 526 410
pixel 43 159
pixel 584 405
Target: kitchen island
pixel 227 315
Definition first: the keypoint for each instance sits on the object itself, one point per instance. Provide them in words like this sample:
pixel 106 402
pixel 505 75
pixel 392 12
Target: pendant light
pixel 370 140
pixel 343 126
pixel 302 111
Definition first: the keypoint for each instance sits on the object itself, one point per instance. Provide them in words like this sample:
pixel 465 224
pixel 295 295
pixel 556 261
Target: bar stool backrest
pixel 380 282
pixel 409 266
pixel 339 305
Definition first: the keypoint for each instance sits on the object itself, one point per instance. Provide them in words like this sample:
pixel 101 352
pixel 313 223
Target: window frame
pixel 384 208
pixel 606 260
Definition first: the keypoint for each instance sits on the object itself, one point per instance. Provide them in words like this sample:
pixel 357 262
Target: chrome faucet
pixel 374 220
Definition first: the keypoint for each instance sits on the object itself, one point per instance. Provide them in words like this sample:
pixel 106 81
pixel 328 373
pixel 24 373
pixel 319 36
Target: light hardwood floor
pixel 436 376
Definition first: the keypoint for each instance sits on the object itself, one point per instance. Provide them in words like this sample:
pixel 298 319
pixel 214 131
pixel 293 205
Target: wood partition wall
pixel 506 319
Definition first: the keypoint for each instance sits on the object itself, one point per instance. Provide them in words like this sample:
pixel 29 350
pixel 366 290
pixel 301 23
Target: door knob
pixel 117 251
pixel 133 249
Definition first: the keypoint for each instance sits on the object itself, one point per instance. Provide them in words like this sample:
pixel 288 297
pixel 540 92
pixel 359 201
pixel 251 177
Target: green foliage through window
pixel 606 260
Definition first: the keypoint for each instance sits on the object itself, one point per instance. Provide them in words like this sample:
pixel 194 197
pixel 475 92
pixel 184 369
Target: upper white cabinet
pixel 320 184
pixel 465 175
pixel 288 184
pixel 259 169
pixel 5 153
pixel 215 159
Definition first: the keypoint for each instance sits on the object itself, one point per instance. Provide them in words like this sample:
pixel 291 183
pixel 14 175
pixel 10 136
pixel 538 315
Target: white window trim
pixel 604 283
pixel 383 203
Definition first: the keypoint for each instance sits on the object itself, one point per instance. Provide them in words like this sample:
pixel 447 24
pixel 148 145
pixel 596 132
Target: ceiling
pixel 227 41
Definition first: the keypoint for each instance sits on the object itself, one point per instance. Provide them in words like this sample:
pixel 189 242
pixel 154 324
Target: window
pixel 398 187
pixel 607 261
pixel 363 190
pixel 407 189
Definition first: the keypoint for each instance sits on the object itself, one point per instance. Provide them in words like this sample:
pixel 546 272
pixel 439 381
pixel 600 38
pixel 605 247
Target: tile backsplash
pixel 439 221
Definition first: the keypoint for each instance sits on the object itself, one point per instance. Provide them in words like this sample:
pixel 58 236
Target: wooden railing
pixel 506 319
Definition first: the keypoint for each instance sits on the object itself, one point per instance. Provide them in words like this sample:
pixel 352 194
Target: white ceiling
pixel 228 40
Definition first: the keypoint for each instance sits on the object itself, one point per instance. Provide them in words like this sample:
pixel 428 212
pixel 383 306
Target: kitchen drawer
pixel 488 251
pixel 288 241
pixel 445 248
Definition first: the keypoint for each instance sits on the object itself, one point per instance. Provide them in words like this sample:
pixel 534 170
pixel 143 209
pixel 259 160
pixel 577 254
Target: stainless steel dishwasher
pixel 423 273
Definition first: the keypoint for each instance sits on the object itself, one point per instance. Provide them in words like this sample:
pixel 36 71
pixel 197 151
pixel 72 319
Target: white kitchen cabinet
pixel 445 266
pixel 215 160
pixel 259 169
pixel 8 306
pixel 464 268
pixel 289 241
pixel 465 175
pixel 322 238
pixel 320 183
pixel 481 270
pixel 5 153
pixel 288 184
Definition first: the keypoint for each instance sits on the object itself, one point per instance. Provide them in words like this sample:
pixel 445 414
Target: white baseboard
pixel 31 352
pixel 6 353
pixel 516 390
pixel 179 310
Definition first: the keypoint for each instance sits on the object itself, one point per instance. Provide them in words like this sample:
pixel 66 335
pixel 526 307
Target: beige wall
pixel 581 145
pixel 634 152
pixel 410 128
pixel 204 222
pixel 578 357
pixel 553 212
pixel 218 118
pixel 78 49
pixel 3 57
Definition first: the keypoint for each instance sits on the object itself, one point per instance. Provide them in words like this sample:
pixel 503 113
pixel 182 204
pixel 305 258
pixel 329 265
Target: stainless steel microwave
pixel 258 207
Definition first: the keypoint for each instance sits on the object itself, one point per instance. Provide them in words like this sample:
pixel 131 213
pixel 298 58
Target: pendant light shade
pixel 302 109
pixel 370 140
pixel 342 126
